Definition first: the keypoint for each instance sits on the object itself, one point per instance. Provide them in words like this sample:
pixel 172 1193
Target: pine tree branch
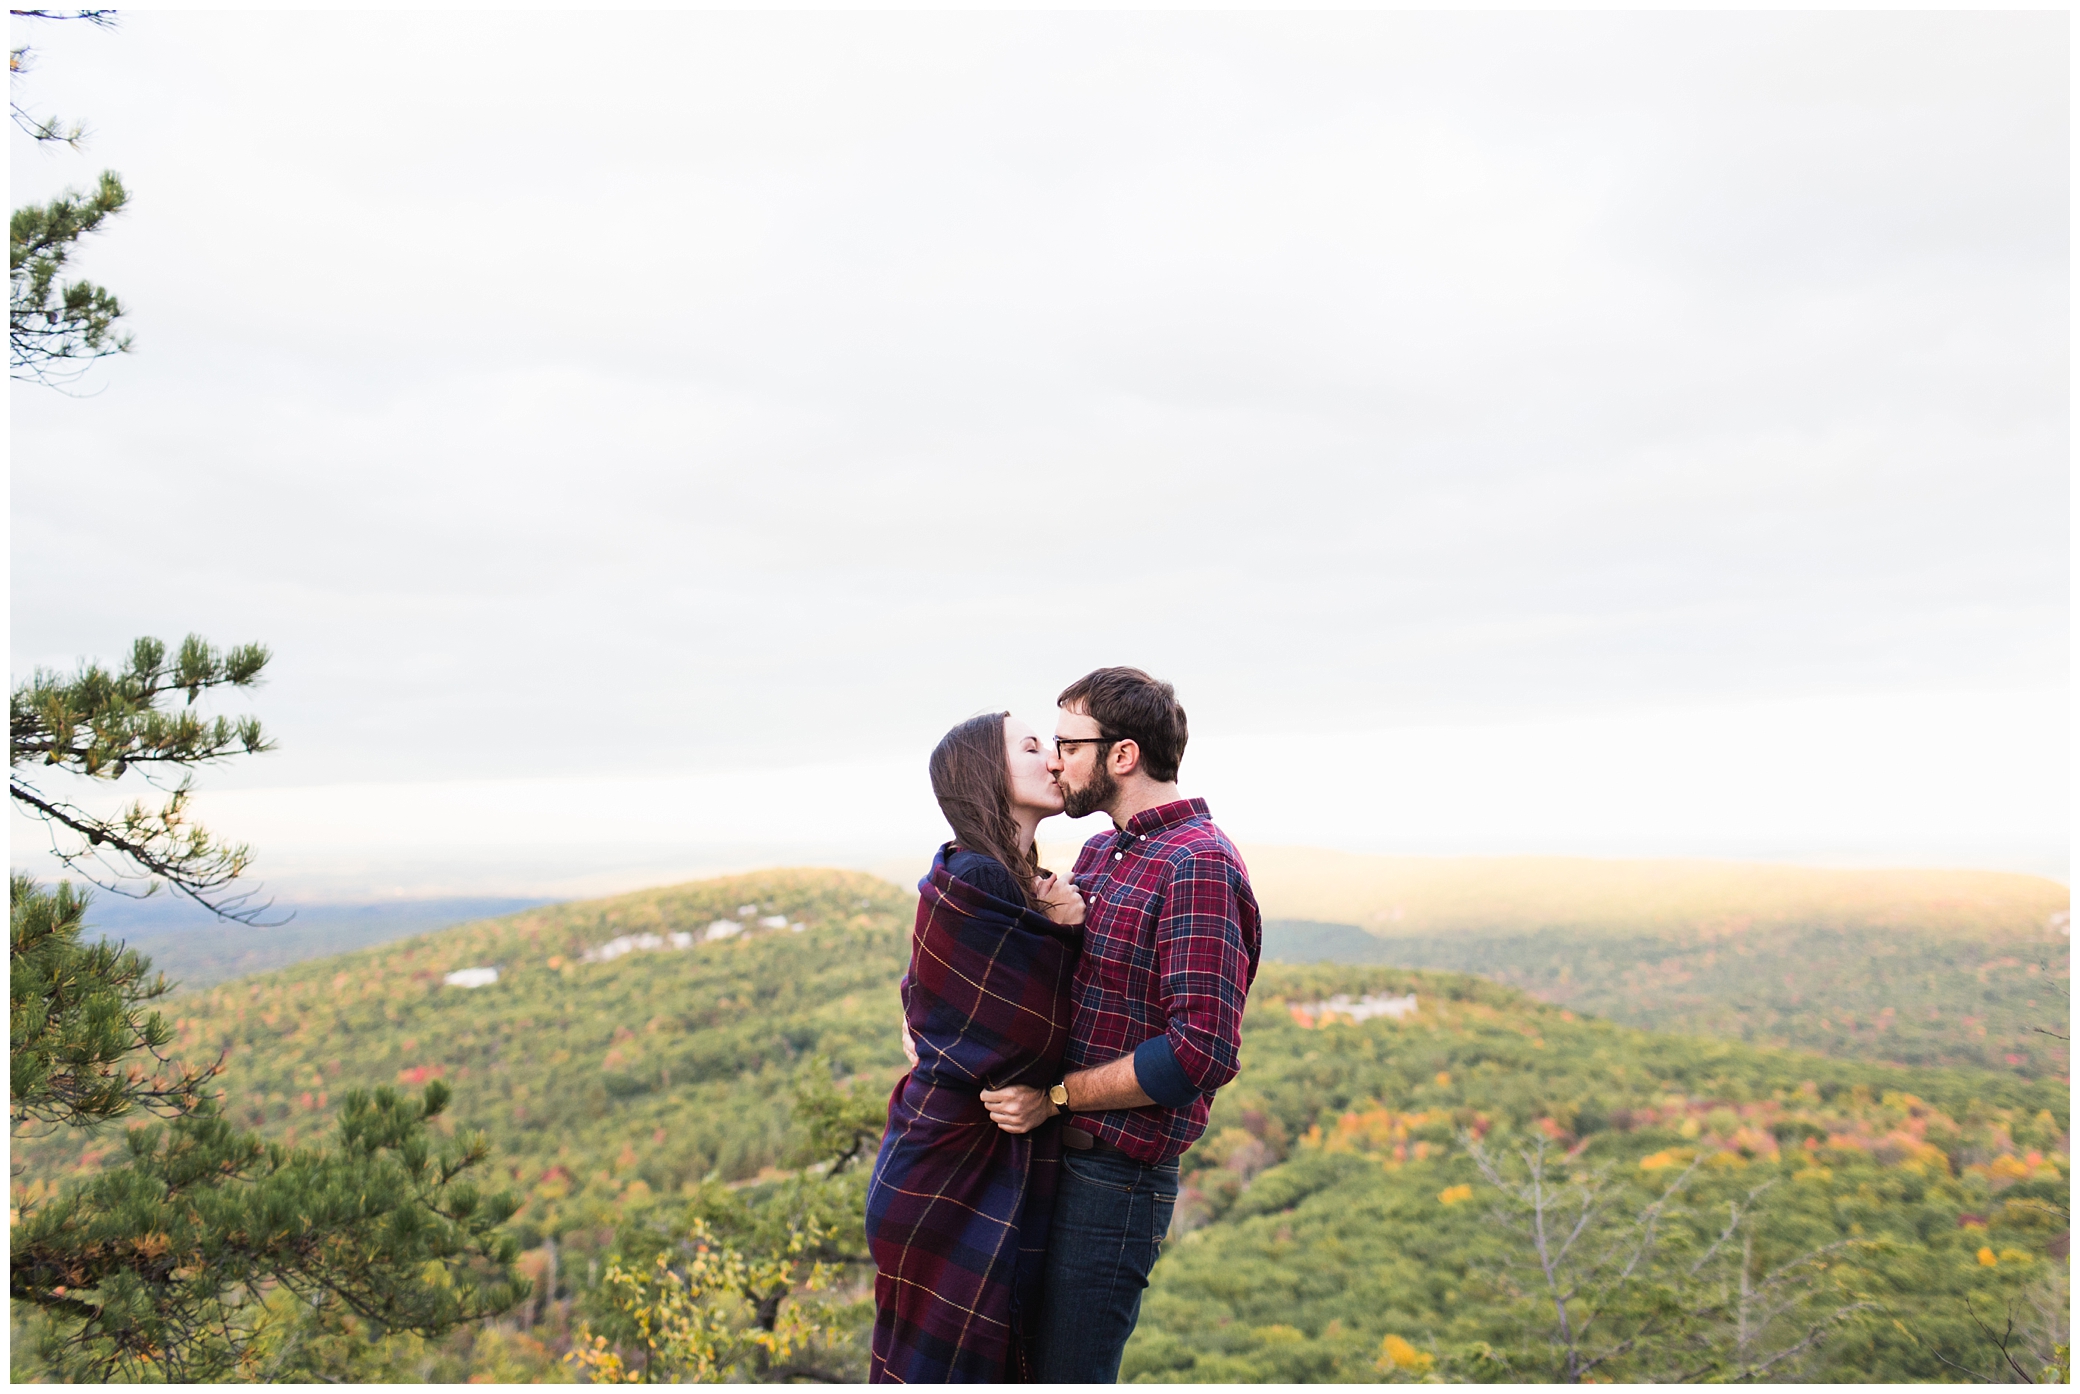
pixel 79 1021
pixel 151 841
pixel 48 128
pixel 57 328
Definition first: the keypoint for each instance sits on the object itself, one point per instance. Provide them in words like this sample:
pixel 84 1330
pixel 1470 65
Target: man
pixel 1171 938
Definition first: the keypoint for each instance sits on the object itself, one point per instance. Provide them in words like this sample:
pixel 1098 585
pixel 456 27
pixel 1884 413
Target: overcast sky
pixel 640 436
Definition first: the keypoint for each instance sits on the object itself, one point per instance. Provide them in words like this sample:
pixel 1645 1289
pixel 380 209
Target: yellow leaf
pixel 1450 1195
pixel 1987 1259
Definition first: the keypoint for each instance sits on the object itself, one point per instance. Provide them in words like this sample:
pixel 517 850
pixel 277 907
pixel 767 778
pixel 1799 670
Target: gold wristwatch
pixel 1058 1095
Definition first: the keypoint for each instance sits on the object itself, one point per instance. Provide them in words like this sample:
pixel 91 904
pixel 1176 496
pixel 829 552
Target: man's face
pixel 1083 770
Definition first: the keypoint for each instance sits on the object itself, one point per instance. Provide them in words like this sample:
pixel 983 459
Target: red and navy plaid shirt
pixel 1170 948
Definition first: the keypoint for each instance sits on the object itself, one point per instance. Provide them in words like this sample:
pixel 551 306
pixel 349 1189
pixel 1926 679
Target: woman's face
pixel 1032 783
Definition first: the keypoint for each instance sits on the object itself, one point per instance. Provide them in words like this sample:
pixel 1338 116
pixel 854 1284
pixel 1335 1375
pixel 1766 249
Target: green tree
pixel 80 1034
pixel 102 726
pixel 209 1253
pixel 729 1285
pixel 57 328
pixel 164 1268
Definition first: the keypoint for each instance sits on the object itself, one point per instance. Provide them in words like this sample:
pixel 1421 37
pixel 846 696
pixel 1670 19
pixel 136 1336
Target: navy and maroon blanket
pixel 958 1209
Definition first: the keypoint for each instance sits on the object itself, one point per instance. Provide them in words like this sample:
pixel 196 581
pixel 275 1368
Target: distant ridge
pixel 196 950
pixel 1394 896
pixel 1310 941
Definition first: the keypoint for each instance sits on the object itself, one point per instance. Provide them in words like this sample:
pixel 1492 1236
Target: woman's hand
pixel 1018 1108
pixel 1063 902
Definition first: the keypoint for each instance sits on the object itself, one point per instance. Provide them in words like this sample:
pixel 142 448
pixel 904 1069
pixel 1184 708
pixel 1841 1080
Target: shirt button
pixel 1119 856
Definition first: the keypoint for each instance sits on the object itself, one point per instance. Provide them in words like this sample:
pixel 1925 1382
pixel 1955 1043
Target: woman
pixel 958 1209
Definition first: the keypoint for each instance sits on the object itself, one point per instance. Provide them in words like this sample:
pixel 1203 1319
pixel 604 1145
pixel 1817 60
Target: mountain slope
pixel 1919 967
pixel 596 1081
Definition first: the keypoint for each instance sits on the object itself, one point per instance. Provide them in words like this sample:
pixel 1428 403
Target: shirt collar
pixel 1150 821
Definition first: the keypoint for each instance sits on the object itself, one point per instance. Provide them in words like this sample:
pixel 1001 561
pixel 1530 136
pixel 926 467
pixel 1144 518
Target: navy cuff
pixel 1160 1076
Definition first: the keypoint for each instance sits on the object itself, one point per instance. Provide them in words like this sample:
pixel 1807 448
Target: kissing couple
pixel 1065 1037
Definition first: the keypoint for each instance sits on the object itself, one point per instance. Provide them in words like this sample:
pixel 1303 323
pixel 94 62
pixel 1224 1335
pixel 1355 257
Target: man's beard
pixel 1092 796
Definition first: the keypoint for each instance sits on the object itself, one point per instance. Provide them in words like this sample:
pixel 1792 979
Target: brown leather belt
pixel 1077 1140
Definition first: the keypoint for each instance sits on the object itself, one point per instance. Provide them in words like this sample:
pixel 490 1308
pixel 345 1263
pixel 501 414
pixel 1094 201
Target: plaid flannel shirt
pixel 1170 948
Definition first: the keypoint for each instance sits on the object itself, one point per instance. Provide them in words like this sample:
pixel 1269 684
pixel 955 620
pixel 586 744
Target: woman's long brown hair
pixel 971 777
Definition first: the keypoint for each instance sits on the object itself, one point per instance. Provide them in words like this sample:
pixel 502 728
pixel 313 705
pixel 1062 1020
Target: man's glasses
pixel 1060 741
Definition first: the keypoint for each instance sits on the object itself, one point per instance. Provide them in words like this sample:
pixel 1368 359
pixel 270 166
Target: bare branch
pixel 2002 1341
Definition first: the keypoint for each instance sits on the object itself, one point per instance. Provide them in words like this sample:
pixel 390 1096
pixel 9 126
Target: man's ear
pixel 1126 758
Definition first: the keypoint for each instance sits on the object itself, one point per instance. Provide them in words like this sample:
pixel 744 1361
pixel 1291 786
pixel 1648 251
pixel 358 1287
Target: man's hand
pixel 909 1046
pixel 1020 1108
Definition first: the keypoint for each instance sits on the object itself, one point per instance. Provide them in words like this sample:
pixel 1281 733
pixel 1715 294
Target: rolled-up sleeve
pixel 1202 971
pixel 1160 1076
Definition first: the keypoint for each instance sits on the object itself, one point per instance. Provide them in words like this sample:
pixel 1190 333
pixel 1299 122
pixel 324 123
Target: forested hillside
pixel 1334 1204
pixel 1910 993
pixel 594 1080
pixel 631 1082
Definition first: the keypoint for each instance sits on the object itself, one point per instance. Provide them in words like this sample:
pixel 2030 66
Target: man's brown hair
pixel 1129 704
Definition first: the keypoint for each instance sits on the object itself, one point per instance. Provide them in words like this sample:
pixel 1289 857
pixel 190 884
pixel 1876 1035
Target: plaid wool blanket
pixel 957 1208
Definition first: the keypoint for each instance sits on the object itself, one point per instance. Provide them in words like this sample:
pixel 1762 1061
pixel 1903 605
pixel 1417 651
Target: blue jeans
pixel 1110 1216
